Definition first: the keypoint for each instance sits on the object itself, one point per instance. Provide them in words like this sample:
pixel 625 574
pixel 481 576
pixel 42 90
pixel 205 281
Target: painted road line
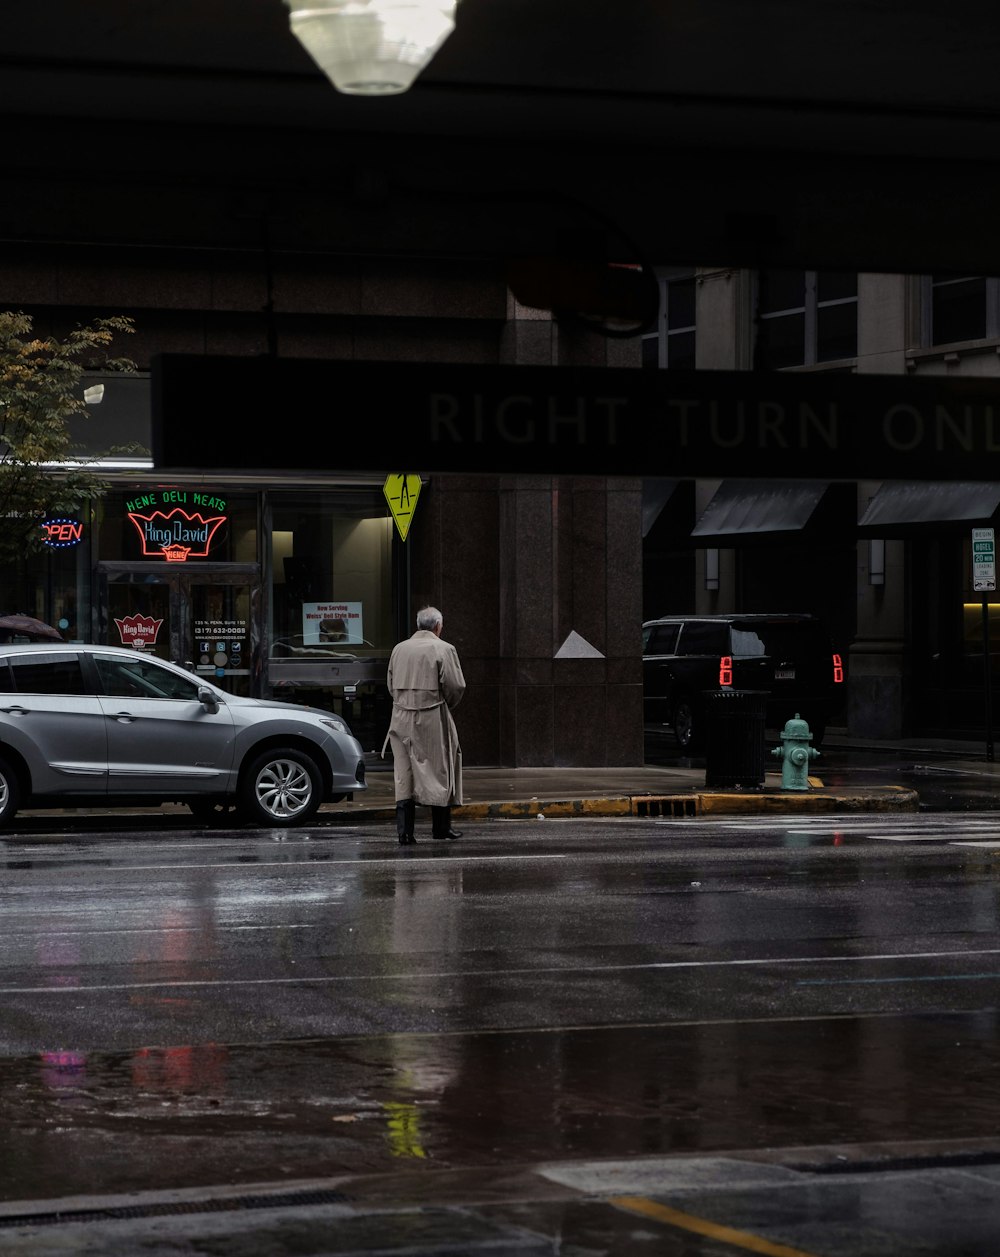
pixel 928 977
pixel 236 865
pixel 563 970
pixel 702 1226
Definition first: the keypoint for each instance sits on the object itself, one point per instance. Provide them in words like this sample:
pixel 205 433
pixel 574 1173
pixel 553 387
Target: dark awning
pixel 903 508
pixel 764 510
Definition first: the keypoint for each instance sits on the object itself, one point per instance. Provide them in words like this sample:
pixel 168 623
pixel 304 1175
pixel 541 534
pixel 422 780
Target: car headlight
pixel 335 723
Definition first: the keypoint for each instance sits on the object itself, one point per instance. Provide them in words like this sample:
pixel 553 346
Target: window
pixel 672 344
pixel 333 615
pixel 805 318
pixel 215 526
pixel 747 644
pixel 331 574
pixel 782 640
pixel 47 674
pixel 702 638
pixel 661 639
pixel 142 678
pixel 961 307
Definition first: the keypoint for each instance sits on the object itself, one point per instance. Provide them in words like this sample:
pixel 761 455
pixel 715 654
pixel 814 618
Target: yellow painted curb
pixel 533 808
pixel 884 799
pixel 770 801
pixel 700 803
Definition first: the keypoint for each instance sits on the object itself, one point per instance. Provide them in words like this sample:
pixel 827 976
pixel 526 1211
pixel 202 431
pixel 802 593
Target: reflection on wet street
pixel 188 1011
pixel 188 1115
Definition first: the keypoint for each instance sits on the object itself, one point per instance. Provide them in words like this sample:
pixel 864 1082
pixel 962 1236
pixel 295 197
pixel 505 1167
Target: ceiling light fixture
pixel 372 47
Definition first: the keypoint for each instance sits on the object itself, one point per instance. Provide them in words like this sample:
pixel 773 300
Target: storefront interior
pixel 281 592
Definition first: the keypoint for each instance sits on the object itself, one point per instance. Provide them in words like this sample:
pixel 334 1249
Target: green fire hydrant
pixel 795 754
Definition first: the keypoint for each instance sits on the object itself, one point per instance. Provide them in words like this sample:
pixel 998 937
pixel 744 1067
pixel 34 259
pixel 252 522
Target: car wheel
pixel 10 794
pixel 210 812
pixel 685 729
pixel 280 787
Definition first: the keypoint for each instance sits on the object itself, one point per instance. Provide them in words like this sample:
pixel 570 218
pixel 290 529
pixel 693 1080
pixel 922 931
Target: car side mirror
pixel 207 698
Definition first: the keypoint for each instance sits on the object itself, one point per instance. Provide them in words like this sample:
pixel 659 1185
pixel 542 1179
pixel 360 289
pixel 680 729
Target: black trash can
pixel 734 739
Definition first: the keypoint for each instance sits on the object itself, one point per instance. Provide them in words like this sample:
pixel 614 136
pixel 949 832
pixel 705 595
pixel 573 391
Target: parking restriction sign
pixel 984 565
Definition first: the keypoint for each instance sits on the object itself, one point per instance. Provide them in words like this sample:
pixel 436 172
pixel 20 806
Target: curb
pixel 688 804
pixel 885 799
pixel 703 803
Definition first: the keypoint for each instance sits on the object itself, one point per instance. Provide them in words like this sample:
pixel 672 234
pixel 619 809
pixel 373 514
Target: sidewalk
pixel 674 790
pixel 655 790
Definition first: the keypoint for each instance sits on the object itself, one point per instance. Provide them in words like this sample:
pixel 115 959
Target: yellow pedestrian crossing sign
pixel 401 492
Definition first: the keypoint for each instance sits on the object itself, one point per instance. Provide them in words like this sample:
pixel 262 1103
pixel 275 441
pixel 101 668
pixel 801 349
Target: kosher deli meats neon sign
pixel 175 534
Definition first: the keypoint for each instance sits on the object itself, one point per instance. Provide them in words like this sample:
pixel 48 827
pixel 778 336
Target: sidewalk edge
pixel 680 804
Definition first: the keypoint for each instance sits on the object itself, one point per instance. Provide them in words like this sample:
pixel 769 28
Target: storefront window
pixel 178 525
pixel 972 632
pixel 52 584
pixel 332 612
pixel 66 599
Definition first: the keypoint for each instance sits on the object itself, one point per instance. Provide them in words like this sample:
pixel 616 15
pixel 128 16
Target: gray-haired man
pixel 426 683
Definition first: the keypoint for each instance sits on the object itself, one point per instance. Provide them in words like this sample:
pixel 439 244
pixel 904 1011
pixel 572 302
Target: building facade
pixel 886 562
pixel 285 576
pixel 295 583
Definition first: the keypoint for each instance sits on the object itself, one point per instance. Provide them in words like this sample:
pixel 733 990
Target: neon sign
pixel 60 533
pixel 138 630
pixel 176 534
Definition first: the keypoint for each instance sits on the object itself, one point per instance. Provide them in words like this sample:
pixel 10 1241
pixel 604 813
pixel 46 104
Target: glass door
pixel 206 619
pixel 221 625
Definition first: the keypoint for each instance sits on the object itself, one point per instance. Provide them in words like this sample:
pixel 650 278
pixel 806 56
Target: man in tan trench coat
pixel 426 683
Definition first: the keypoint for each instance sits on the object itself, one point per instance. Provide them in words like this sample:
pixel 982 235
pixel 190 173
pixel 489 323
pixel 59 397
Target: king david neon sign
pixel 176 525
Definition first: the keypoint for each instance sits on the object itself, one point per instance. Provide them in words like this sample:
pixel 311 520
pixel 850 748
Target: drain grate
pixel 667 805
pixel 165 1209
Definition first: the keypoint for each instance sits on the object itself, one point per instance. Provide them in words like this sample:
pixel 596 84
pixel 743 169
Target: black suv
pixel 789 656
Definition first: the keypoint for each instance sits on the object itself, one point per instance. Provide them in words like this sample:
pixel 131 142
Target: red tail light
pixel 726 670
pixel 838 670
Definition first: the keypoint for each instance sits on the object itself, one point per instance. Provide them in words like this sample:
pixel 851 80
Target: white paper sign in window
pixel 332 622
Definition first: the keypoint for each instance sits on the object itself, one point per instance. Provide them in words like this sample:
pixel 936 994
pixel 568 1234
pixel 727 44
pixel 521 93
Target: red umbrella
pixel 27 626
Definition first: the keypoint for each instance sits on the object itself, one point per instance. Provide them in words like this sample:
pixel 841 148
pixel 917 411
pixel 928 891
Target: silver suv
pixel 86 725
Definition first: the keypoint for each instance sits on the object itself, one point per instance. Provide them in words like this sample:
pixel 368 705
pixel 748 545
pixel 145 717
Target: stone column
pixel 539 579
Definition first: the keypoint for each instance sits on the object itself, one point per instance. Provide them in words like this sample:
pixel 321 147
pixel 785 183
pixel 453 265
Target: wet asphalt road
pixel 753 1031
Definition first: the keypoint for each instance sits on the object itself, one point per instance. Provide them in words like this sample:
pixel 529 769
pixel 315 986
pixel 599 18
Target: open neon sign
pixel 177 534
pixel 60 533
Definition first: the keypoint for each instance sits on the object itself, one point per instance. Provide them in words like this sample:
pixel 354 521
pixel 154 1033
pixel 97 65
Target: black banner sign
pixel 260 413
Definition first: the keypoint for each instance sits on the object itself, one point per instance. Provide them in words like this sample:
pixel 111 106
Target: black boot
pixel 405 819
pixel 441 823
